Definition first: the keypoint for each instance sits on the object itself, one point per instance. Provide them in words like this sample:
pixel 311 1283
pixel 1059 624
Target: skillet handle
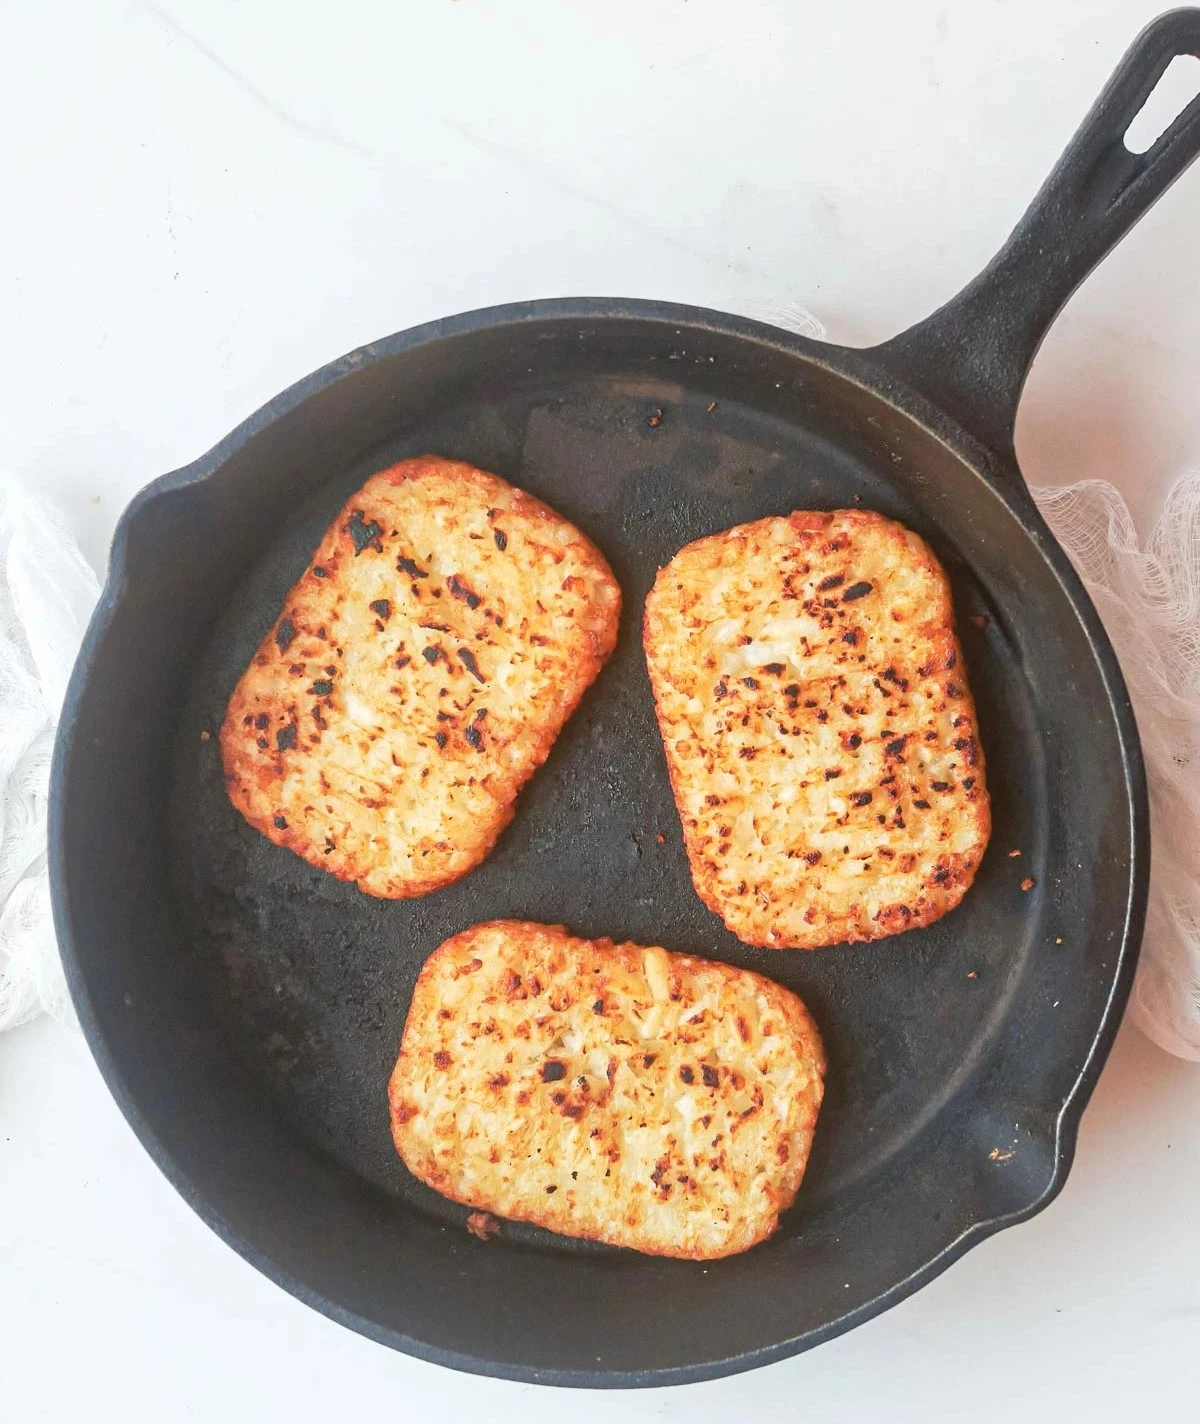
pixel 971 356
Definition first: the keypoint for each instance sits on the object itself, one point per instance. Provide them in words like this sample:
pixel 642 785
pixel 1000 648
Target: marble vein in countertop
pixel 518 158
pixel 247 86
pixel 515 157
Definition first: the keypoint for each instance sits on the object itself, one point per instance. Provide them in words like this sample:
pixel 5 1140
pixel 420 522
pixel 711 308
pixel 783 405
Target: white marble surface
pixel 202 200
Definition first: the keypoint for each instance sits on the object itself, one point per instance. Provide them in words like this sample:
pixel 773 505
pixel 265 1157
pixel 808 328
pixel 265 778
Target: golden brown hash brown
pixel 622 1094
pixel 819 731
pixel 420 670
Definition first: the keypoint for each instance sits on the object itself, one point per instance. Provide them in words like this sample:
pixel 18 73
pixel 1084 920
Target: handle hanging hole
pixel 1179 85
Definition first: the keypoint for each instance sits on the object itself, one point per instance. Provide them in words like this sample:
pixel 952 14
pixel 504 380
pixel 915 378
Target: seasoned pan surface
pixel 313 977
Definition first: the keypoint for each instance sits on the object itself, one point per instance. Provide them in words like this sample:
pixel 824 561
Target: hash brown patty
pixel 612 1092
pixel 819 730
pixel 420 670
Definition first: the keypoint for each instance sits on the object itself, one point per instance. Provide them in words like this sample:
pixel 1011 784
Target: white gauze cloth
pixel 47 591
pixel 1148 598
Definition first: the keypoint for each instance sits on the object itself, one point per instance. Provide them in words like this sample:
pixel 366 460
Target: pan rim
pixel 1001 475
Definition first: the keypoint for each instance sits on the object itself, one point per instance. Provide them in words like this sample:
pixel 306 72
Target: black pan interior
pixel 254 1005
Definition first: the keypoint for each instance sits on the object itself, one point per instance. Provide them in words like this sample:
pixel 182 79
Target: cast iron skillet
pixel 245 1008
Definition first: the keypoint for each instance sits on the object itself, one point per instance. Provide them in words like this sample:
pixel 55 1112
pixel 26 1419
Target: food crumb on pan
pixel 206 736
pixel 660 838
pixel 995 1155
pixel 1028 883
pixel 482 1225
pixel 712 405
pixel 972 973
pixel 1013 854
pixel 1058 939
pixel 655 418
